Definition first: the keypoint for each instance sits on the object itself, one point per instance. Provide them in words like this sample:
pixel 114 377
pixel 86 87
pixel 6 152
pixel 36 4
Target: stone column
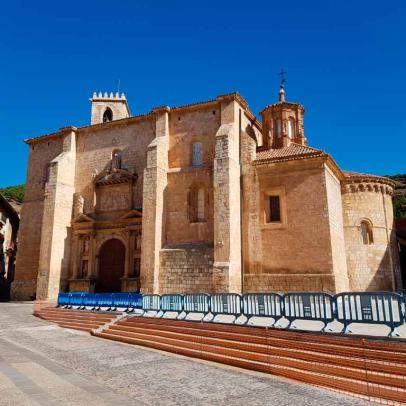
pixel 76 256
pixel 227 194
pixel 54 254
pixel 128 254
pixel 91 256
pixel 153 218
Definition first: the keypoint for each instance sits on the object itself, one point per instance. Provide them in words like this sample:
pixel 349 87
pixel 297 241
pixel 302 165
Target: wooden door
pixel 111 266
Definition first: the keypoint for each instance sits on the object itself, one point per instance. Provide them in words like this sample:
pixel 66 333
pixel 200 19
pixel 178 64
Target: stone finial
pixel 100 94
pixel 122 95
pixel 281 94
pixel 111 95
pixel 117 95
pixel 94 95
pixel 105 95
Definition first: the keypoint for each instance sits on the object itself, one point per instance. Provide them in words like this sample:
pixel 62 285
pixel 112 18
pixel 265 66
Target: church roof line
pixel 350 176
pixel 290 153
pixel 225 97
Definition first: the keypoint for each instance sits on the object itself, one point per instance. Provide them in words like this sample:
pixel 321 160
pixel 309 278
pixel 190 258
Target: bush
pixel 14 192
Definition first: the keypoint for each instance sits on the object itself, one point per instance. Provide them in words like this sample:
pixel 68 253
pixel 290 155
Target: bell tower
pixel 282 122
pixel 107 107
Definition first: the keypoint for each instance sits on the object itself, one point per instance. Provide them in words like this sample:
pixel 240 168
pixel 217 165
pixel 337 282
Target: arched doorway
pixel 111 266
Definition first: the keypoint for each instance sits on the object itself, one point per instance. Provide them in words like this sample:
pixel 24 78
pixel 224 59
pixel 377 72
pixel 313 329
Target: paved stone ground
pixel 42 364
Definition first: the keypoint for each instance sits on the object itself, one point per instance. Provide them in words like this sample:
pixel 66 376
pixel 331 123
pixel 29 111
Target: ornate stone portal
pixel 112 218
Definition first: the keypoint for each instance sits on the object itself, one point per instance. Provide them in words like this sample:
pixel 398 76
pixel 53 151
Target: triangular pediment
pixel 134 213
pixel 82 218
pixel 114 176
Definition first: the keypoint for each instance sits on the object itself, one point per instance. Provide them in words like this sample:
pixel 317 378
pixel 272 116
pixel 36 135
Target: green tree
pixel 14 192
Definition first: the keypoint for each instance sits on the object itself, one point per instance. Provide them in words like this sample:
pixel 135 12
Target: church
pixel 199 198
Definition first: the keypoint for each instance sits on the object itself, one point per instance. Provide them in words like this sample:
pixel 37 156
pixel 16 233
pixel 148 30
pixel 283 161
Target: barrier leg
pixel 394 332
pixel 247 319
pixel 183 314
pixel 236 321
pixel 213 316
pixel 327 328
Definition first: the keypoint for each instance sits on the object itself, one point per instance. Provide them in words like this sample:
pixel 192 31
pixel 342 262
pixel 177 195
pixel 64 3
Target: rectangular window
pixel 274 209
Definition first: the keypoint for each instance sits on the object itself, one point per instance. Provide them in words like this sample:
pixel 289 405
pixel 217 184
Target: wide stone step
pixel 76 319
pixel 262 353
pixel 79 326
pixel 55 317
pixel 378 350
pixel 398 345
pixel 77 313
pixel 259 362
pixel 267 348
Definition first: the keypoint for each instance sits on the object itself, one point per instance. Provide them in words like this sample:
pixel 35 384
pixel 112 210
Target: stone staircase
pixel 76 319
pixel 371 368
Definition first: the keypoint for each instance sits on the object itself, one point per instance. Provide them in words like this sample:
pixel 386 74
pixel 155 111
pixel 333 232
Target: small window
pixel 107 115
pixel 274 210
pixel 197 154
pixel 291 128
pixel 367 236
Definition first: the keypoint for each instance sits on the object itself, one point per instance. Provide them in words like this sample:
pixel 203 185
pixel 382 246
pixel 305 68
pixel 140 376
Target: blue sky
pixel 346 62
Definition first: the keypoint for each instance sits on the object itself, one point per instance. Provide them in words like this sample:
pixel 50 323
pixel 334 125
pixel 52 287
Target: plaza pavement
pixel 43 364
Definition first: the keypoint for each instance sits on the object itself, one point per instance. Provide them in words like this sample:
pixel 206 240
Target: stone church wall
pixel 335 215
pixel 370 265
pixel 190 270
pixel 41 154
pixel 296 255
pixel 178 227
pixel 94 151
pixel 187 128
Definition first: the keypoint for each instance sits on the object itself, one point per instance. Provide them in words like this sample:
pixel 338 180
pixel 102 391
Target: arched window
pixel 196 205
pixel 367 235
pixel 291 128
pixel 197 154
pixel 107 115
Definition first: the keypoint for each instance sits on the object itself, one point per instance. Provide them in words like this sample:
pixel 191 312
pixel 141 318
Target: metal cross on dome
pixel 282 74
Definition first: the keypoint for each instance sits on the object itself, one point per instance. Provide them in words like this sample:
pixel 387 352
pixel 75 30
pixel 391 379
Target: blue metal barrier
pixel 151 303
pixel 225 303
pixel 171 303
pixel 120 300
pixel 372 308
pixel 76 299
pixel 90 300
pixel 262 305
pixel 135 300
pixel 383 308
pixel 196 303
pixel 104 300
pixel 63 299
pixel 314 306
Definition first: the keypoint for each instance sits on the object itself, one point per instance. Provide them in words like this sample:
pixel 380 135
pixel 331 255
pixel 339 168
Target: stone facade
pixel 199 198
